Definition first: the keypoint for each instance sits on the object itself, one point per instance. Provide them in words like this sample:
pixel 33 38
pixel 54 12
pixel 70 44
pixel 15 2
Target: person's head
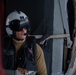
pixel 17 25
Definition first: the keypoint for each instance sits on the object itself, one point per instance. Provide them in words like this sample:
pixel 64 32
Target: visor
pixel 17 25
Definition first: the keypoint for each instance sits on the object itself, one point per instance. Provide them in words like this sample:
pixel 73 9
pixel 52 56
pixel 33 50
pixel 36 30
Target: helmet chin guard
pixel 16 21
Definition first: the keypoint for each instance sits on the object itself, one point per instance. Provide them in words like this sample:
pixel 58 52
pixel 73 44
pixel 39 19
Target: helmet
pixel 16 21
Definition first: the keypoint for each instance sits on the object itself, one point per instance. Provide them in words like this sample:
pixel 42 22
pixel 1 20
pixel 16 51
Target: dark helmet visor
pixel 16 25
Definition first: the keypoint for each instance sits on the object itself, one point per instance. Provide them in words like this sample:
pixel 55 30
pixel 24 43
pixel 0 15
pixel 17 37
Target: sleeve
pixel 40 62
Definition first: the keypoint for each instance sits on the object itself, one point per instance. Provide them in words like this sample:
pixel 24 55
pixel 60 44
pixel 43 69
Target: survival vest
pixel 25 58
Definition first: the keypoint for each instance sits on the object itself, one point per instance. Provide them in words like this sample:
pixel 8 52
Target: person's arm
pixel 40 62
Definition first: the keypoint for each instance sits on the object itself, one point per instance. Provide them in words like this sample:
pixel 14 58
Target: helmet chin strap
pixel 18 39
